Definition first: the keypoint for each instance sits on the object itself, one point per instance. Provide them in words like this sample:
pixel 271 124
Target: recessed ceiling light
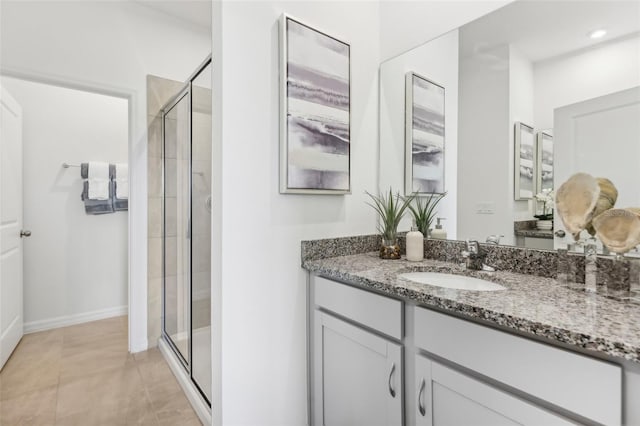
pixel 597 34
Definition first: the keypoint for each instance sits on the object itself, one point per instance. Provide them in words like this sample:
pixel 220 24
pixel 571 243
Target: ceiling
pixel 195 12
pixel 543 29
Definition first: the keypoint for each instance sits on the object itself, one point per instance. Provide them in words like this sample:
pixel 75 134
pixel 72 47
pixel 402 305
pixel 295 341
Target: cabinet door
pixel 447 397
pixel 357 375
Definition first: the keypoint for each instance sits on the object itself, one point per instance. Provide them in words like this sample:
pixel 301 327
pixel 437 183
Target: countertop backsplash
pixel 615 278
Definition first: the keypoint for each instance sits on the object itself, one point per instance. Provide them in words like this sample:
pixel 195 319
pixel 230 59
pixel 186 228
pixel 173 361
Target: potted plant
pixel 424 211
pixel 545 219
pixel 390 208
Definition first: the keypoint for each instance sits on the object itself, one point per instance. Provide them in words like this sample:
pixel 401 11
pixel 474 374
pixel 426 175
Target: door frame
pixel 137 217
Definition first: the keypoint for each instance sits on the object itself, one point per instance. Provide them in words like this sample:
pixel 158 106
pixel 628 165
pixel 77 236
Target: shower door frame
pixel 185 91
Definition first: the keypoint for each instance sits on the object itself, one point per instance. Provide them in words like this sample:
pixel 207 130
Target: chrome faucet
pixel 474 257
pixel 494 239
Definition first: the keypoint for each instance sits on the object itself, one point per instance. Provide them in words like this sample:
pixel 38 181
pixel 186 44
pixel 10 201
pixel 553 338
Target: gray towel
pixel 96 206
pixel 119 204
pixel 84 171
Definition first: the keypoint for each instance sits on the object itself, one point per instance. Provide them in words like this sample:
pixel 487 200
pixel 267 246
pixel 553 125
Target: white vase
pixel 544 225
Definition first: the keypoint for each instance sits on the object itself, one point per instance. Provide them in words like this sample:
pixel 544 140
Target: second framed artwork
pixel 315 110
pixel 545 161
pixel 424 136
pixel 524 161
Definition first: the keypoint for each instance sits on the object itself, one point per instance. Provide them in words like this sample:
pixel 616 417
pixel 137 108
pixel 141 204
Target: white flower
pixel 546 196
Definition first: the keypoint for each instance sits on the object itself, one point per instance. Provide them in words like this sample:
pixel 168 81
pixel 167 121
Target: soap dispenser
pixel 415 245
pixel 439 233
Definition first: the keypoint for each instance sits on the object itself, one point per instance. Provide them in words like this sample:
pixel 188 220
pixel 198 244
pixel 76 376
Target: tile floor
pixel 83 375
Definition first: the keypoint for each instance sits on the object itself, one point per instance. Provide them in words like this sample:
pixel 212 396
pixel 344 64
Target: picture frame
pixel 524 161
pixel 315 110
pixel 424 136
pixel 544 174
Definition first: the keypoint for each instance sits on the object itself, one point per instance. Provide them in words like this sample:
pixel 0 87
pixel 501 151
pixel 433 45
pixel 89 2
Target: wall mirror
pixel 536 63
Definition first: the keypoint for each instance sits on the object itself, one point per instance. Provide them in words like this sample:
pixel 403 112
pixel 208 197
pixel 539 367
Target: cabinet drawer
pixel 585 386
pixel 372 310
pixel 448 397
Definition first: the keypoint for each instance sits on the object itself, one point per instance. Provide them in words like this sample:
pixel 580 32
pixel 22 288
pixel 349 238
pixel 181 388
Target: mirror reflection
pixel 569 71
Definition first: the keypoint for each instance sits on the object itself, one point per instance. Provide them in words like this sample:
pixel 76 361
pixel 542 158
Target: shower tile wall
pixel 159 91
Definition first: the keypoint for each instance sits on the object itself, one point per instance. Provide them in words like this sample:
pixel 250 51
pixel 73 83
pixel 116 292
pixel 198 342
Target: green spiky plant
pixel 424 211
pixel 391 209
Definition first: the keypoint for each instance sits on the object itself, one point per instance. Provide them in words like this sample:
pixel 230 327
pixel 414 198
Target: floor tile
pixel 28 374
pixel 33 408
pixel 84 375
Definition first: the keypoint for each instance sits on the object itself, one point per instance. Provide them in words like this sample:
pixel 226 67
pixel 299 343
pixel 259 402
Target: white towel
pixel 122 181
pixel 98 179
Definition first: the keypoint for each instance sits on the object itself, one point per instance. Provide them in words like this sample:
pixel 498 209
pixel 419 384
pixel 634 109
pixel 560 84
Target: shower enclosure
pixel 186 135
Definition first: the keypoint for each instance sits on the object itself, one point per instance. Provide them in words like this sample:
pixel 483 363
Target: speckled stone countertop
pixel 531 304
pixel 534 233
pixel 527 228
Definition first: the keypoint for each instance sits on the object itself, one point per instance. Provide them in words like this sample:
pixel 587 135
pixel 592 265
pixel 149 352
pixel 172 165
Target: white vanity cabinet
pixel 447 397
pixel 358 375
pixel 356 364
pixel 367 348
pixel 582 385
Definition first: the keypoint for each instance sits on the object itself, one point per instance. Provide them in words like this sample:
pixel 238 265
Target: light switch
pixel 485 208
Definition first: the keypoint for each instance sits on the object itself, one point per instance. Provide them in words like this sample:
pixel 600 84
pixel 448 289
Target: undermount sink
pixel 459 282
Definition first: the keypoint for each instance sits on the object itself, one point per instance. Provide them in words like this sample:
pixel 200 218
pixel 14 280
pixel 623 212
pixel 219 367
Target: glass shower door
pixel 201 240
pixel 177 226
pixel 187 136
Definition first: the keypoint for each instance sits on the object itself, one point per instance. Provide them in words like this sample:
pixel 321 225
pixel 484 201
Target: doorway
pixel 75 261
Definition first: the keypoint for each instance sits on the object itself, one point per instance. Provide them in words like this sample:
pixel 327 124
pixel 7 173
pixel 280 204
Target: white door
pixel 10 225
pixel 588 132
pixel 358 375
pixel 445 397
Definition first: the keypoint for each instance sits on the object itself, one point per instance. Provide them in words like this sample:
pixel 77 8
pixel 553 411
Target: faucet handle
pixel 494 239
pixel 473 246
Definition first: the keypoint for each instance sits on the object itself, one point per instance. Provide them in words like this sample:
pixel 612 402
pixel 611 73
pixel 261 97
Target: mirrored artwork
pixel 525 161
pixel 545 161
pixel 424 136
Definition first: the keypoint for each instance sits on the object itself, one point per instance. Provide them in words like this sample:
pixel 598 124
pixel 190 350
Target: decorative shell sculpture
pixel 606 200
pixel 619 229
pixel 576 200
pixel 582 198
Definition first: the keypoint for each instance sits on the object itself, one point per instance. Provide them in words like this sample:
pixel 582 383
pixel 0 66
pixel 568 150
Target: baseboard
pixel 195 398
pixel 67 320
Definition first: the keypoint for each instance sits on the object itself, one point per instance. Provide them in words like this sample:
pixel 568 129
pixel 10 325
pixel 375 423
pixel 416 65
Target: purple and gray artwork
pixel 317 110
pixel 527 147
pixel 546 162
pixel 427 136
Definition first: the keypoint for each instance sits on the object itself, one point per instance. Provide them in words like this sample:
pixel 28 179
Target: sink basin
pixel 459 282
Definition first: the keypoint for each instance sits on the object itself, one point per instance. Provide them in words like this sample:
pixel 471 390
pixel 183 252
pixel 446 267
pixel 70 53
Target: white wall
pixel 111 46
pixel 484 157
pixel 407 24
pixel 263 304
pixel 437 61
pixel 74 263
pixel 521 100
pixel 497 93
pixel 607 68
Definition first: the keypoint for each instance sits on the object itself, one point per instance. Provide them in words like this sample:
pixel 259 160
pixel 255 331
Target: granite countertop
pixel 531 304
pixel 534 233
